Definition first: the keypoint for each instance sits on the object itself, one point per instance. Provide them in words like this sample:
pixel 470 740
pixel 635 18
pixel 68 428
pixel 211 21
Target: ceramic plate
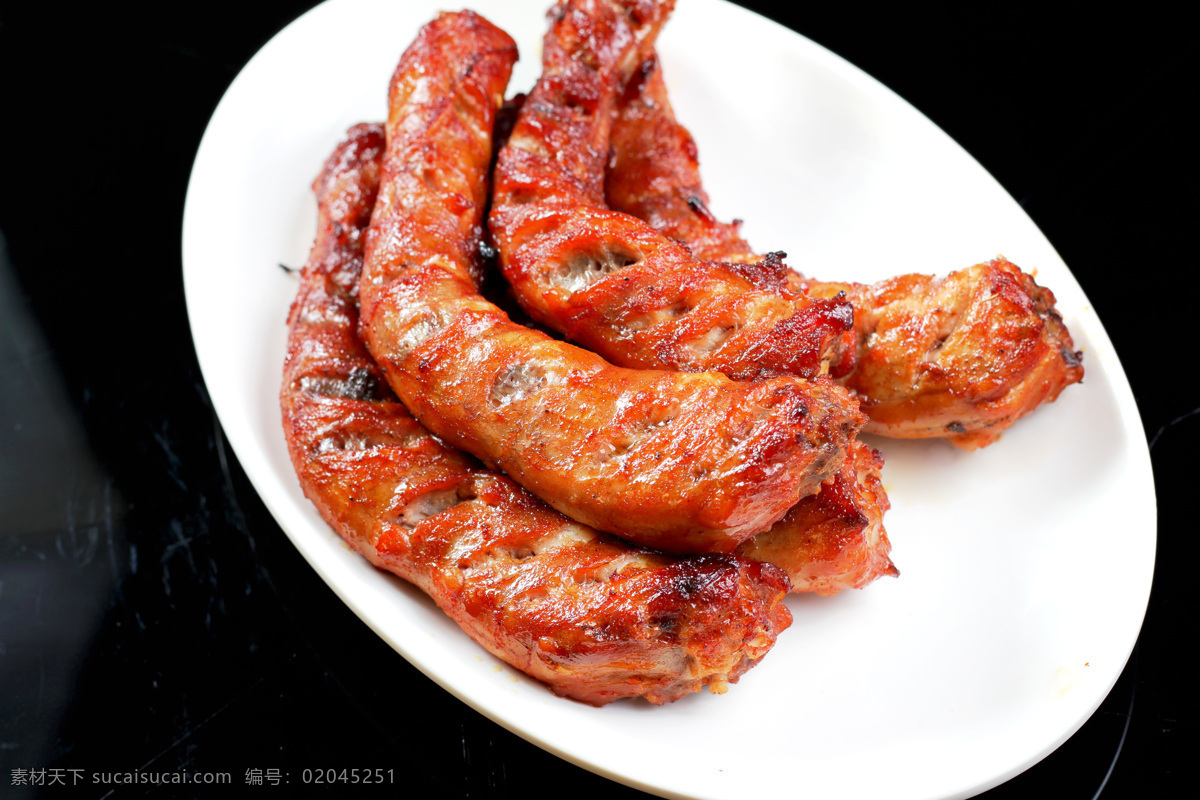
pixel 1026 567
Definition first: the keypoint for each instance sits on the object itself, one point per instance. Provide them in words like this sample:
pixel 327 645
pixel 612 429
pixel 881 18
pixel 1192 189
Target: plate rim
pixel 281 508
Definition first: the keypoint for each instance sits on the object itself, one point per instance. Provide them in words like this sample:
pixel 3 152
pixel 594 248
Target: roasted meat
pixel 835 539
pixel 594 618
pixel 606 279
pixel 960 357
pixel 827 542
pixel 682 462
pixel 654 172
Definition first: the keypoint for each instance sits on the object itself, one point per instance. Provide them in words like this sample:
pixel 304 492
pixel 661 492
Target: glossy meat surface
pixel 962 356
pixel 606 279
pixel 591 616
pixel 681 462
pixel 959 357
pixel 827 542
pixel 654 172
pixel 835 539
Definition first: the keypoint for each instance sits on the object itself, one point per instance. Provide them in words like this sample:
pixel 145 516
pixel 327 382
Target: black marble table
pixel 154 617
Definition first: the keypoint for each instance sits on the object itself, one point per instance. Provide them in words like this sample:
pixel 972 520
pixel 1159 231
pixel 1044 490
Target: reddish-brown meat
pixel 827 542
pixel 835 539
pixel 593 617
pixel 608 280
pixel 681 462
pixel 654 173
pixel 960 357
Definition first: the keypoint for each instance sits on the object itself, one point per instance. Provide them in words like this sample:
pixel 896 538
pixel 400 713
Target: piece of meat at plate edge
pixel 960 357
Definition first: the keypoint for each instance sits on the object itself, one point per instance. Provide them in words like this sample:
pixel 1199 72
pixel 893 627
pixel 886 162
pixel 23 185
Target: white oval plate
pixel 1026 566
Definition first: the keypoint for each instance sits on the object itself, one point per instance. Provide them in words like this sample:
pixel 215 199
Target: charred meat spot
pixel 580 99
pixel 360 384
pixel 768 274
pixel 589 59
pixel 357 384
pixel 778 396
pixel 633 88
pixel 580 269
pixel 843 312
pixel 686 585
pixel 1073 358
pixel 697 206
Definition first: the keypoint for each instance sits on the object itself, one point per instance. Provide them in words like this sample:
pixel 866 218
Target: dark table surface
pixel 154 617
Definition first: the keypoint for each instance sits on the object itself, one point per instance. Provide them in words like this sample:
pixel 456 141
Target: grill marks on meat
pixel 739 321
pixel 835 539
pixel 654 172
pixel 593 617
pixel 732 460
pixel 960 357
pixel 608 280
